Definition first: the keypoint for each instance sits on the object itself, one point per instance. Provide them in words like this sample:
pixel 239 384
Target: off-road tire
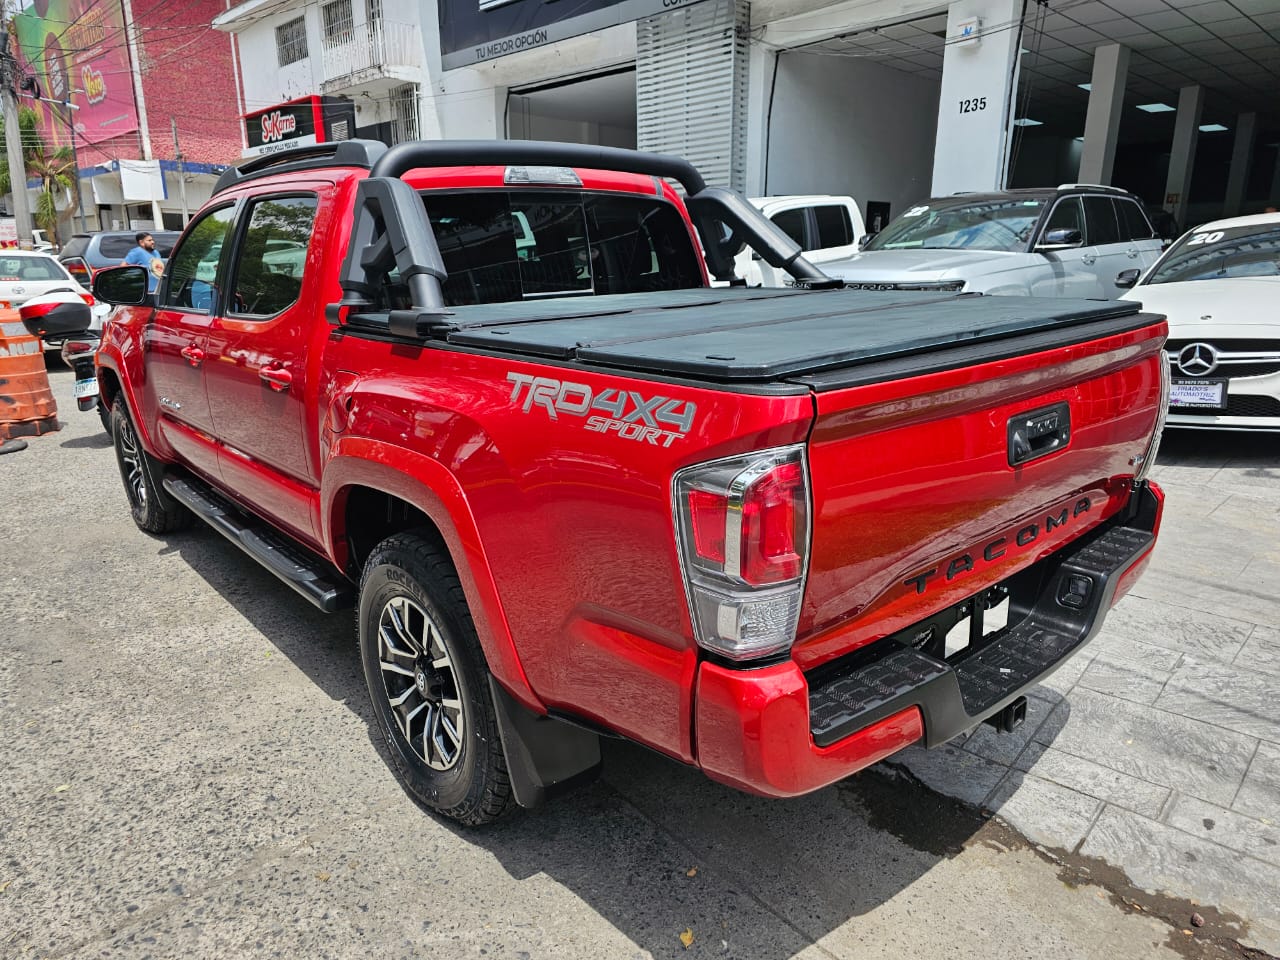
pixel 476 789
pixel 153 509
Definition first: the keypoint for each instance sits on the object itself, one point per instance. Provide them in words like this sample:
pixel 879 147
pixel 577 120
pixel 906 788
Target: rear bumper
pixel 778 732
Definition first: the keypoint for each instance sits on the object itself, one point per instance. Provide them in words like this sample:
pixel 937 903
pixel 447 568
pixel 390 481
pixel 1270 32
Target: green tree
pixel 55 170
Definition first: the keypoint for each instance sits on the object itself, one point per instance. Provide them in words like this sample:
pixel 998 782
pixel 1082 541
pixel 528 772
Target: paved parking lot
pixel 191 770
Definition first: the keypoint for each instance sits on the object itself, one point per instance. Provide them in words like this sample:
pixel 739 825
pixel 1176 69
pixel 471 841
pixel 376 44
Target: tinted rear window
pixel 1133 221
pixel 1100 215
pixel 499 246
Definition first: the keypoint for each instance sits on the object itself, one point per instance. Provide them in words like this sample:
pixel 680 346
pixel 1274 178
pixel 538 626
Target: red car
pixel 483 393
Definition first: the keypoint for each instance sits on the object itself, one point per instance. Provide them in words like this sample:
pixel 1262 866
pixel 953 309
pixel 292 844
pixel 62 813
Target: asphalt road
pixel 191 769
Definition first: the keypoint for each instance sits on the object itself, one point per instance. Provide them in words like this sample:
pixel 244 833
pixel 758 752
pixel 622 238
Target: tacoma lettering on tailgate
pixel 632 416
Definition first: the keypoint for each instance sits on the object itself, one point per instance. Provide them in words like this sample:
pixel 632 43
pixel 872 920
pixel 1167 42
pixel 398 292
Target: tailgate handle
pixel 1038 433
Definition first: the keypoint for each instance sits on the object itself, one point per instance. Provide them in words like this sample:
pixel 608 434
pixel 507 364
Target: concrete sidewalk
pixel 1157 749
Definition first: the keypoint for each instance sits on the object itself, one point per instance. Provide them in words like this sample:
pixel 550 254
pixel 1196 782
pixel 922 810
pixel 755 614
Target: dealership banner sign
pixel 474 31
pixel 77 50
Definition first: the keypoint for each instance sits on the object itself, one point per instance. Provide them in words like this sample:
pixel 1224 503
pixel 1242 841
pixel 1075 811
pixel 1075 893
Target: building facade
pixel 146 94
pixel 369 53
pixel 889 101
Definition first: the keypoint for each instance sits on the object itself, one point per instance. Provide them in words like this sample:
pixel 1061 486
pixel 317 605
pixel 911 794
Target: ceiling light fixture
pixel 1085 86
pixel 1027 122
pixel 1212 128
pixel 1156 108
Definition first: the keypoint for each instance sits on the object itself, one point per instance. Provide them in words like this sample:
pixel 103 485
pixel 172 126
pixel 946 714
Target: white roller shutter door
pixel 691 87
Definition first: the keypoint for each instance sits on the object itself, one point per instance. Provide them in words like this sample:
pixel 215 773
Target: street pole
pixel 13 143
pixel 182 176
pixel 75 159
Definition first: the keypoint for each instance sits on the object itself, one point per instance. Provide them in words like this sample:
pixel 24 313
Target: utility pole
pixel 13 139
pixel 182 175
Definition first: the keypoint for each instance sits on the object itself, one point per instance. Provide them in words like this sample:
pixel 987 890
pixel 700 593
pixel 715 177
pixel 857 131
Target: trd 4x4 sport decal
pixel 632 416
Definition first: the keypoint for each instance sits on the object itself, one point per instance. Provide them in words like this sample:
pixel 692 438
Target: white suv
pixel 1077 240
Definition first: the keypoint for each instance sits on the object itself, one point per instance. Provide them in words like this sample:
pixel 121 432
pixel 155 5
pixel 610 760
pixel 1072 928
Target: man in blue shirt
pixel 144 255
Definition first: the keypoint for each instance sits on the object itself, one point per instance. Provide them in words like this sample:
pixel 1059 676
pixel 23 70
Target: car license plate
pixel 86 388
pixel 1198 394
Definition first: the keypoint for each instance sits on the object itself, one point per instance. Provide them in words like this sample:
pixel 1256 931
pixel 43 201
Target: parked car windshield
pixel 947 224
pixel 1252 251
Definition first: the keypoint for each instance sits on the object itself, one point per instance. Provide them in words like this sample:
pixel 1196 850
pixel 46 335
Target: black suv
pixel 87 253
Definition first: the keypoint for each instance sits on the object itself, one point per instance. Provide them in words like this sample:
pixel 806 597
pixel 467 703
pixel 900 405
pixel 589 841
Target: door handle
pixel 1088 261
pixel 277 378
pixel 192 354
pixel 1132 254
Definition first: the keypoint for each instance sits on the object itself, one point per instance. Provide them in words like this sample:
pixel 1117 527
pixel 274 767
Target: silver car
pixel 1075 240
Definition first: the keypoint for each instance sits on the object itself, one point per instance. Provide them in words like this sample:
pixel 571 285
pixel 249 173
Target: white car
pixel 1219 286
pixel 826 227
pixel 25 274
pixel 1075 240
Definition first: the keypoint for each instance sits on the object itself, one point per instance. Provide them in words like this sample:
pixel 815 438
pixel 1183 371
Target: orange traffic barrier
pixel 27 408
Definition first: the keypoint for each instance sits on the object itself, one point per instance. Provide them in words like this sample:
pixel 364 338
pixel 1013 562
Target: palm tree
pixel 55 170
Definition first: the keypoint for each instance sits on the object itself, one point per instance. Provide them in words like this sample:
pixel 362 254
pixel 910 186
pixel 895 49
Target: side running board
pixel 305 572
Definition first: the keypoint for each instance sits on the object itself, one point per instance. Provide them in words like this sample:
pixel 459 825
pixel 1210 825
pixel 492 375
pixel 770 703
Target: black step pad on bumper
pixel 955 696
pixel 307 573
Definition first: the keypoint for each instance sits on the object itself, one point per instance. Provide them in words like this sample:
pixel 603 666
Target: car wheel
pixel 153 509
pixel 428 682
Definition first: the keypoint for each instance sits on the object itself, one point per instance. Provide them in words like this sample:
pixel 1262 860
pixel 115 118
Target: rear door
pixel 257 380
pixel 175 343
pixel 1109 237
pixel 835 232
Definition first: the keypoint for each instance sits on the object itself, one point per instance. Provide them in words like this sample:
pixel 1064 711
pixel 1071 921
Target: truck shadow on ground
pixel 655 847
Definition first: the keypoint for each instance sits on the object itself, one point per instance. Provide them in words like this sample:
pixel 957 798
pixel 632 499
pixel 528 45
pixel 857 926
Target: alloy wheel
pixel 421 683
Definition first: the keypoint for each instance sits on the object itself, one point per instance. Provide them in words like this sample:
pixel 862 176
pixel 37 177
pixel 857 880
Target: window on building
pixel 404 113
pixel 268 272
pixel 291 41
pixel 835 227
pixel 338 23
pixel 373 12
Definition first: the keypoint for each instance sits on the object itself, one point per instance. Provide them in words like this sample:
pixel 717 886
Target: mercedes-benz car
pixel 1218 285
pixel 1076 240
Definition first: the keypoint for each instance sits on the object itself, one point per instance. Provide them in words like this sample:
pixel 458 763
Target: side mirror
pixel 864 240
pixel 1127 278
pixel 1060 238
pixel 122 286
pixel 56 314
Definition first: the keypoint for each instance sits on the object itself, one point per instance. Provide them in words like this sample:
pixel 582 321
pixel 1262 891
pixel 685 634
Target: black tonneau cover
pixel 742 335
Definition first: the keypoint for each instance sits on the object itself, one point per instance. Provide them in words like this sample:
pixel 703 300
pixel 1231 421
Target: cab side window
pixel 193 268
pixel 835 227
pixel 272 254
pixel 791 222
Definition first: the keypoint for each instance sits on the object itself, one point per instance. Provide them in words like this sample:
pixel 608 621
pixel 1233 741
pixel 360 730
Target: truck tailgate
pixel 916 503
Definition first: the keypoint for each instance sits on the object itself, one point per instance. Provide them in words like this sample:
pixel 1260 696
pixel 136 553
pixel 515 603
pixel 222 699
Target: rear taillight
pixel 1162 414
pixel 743 527
pixel 88 298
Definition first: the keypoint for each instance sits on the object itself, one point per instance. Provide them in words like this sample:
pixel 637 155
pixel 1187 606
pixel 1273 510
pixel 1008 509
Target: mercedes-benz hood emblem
pixel 1197 359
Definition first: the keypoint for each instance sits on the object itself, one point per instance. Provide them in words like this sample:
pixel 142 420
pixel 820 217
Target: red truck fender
pixel 428 486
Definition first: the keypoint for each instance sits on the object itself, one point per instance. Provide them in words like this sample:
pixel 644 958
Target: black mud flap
pixel 546 756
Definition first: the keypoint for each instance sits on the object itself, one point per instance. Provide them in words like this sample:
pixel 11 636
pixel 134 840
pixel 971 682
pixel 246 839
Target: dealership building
pixel 888 101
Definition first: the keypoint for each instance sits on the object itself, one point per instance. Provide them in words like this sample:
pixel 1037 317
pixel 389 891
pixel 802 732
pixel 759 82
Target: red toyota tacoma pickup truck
pixel 484 393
